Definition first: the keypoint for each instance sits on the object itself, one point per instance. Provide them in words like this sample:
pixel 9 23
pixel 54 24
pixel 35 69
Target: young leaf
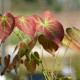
pixel 0 61
pixel 6 70
pixel 7 60
pixel 71 44
pixel 35 55
pixel 49 27
pixel 7 24
pixel 16 61
pixel 26 24
pixel 74 33
pixel 48 45
pixel 30 65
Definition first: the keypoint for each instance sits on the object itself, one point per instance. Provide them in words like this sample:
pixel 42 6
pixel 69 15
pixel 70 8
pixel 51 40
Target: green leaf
pixel 36 57
pixel 74 33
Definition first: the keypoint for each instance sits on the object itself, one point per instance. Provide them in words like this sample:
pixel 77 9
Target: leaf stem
pixel 61 60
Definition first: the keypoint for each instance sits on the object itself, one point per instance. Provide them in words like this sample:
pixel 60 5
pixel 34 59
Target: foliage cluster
pixel 48 31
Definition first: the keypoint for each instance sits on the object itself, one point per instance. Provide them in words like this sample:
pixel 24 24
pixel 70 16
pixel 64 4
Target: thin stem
pixel 46 75
pixel 55 60
pixel 31 77
pixel 60 62
pixel 62 59
pixel 20 38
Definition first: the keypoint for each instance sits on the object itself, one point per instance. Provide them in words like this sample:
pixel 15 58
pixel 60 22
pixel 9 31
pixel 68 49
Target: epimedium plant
pixel 48 31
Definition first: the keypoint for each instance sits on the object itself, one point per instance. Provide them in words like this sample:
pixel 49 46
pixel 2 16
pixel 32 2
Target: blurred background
pixel 67 12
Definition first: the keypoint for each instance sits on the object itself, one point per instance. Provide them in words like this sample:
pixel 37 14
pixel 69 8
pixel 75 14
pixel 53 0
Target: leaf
pixel 0 43
pixel 35 55
pixel 17 46
pixel 30 65
pixel 71 44
pixel 74 33
pixel 6 70
pixel 49 27
pixel 65 78
pixel 7 24
pixel 16 61
pixel 26 24
pixel 7 60
pixel 48 45
pixel 0 62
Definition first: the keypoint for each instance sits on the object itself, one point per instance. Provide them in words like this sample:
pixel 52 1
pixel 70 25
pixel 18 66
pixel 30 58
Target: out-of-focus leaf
pixel 30 65
pixel 35 55
pixel 0 61
pixel 71 44
pixel 48 45
pixel 74 33
pixel 7 60
pixel 10 67
pixel 0 43
pixel 49 27
pixel 26 24
pixel 16 62
pixel 17 46
pixel 7 24
pixel 65 78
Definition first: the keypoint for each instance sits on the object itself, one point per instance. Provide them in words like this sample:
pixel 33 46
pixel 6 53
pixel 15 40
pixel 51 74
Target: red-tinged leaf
pixel 17 46
pixel 7 69
pixel 7 60
pixel 0 61
pixel 71 44
pixel 0 43
pixel 15 69
pixel 7 24
pixel 74 33
pixel 26 24
pixel 30 65
pixel 47 44
pixel 49 27
pixel 16 61
pixel 35 55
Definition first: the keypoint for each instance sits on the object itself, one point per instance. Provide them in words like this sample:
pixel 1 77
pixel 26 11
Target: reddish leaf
pixel 26 24
pixel 7 69
pixel 7 60
pixel 7 24
pixel 71 44
pixel 47 44
pixel 30 65
pixel 49 27
pixel 35 55
pixel 0 61
pixel 74 33
pixel 16 61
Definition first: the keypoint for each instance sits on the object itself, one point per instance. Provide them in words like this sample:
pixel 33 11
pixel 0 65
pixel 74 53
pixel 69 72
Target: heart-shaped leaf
pixel 47 44
pixel 7 24
pixel 49 27
pixel 26 24
pixel 30 65
pixel 74 33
